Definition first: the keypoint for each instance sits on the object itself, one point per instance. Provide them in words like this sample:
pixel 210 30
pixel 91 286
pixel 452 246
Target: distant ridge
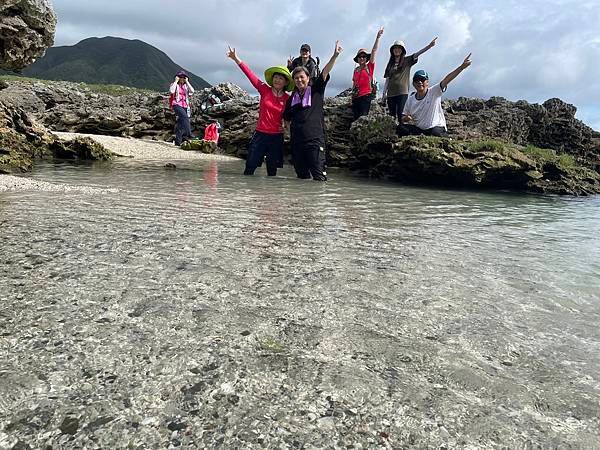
pixel 110 60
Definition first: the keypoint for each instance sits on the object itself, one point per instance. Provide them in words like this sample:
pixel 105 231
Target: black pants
pixel 396 105
pixel 309 159
pixel 261 145
pixel 182 126
pixel 361 106
pixel 412 130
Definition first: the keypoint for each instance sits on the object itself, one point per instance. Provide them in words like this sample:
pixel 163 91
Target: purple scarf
pixel 305 99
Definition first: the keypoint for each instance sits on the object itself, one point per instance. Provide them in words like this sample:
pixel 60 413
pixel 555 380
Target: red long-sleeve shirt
pixel 270 112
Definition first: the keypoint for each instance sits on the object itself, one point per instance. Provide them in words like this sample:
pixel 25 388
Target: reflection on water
pixel 369 268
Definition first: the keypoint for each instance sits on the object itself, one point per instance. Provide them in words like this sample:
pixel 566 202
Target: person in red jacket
pixel 268 137
pixel 362 79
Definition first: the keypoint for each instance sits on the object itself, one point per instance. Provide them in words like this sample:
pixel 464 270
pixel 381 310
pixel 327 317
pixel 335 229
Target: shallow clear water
pixel 356 274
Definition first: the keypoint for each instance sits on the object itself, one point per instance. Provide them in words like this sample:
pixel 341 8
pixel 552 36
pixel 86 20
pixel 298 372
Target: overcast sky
pixel 532 50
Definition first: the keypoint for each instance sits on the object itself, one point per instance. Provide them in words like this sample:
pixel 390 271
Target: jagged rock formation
pixel 73 107
pixel 26 31
pixel 475 163
pixel 22 140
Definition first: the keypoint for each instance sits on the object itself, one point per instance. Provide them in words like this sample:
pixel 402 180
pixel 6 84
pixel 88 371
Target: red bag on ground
pixel 211 133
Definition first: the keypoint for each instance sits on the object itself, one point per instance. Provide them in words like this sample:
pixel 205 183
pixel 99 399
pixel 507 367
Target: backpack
pixel 211 133
pixel 314 70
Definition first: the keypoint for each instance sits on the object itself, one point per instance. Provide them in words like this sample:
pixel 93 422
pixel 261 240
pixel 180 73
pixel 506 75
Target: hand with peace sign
pixel 467 61
pixel 231 54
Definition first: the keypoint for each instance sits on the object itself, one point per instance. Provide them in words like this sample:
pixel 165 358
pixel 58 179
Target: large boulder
pixel 26 30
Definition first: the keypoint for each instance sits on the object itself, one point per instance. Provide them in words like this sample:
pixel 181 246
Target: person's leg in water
pixel 299 160
pixel 181 115
pixel 315 152
pixel 274 154
pixel 256 152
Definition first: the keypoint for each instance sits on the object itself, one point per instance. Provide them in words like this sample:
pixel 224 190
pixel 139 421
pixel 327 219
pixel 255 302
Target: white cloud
pixel 532 50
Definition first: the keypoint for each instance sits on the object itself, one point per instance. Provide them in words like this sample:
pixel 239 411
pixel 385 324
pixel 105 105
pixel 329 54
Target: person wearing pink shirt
pixel 267 140
pixel 181 89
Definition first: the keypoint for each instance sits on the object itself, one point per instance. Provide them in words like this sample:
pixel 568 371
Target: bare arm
pixel 376 45
pixel 452 75
pixel 385 87
pixel 190 88
pixel 427 47
pixel 336 52
pixel 254 80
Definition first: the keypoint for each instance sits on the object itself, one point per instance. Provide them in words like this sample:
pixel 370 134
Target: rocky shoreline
pixel 519 146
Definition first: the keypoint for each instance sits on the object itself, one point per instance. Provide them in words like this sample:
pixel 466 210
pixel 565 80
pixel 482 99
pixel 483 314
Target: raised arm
pixel 173 86
pixel 452 75
pixel 336 52
pixel 232 54
pixel 376 45
pixel 189 86
pixel 427 47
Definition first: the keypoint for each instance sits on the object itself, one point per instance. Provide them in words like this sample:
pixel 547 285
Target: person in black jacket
pixel 305 115
pixel 304 60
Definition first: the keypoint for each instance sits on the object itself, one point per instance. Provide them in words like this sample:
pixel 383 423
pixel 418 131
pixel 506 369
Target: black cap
pixel 305 47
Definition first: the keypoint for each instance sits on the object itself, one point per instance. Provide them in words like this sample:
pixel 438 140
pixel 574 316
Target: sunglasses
pixel 420 80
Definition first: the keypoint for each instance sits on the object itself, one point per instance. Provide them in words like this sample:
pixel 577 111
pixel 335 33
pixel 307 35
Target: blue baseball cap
pixel 420 74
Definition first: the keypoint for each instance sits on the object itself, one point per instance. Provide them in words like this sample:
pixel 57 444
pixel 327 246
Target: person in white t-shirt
pixel 423 113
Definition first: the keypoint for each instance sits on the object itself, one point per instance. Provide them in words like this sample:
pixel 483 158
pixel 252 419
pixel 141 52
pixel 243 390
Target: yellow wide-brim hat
pixel 281 70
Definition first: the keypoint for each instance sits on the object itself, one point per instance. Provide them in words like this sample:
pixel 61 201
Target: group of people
pixel 294 95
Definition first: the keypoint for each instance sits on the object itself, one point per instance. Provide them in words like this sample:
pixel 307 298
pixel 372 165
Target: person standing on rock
pixel 304 112
pixel 397 76
pixel 180 90
pixel 363 79
pixel 305 59
pixel 267 139
pixel 424 107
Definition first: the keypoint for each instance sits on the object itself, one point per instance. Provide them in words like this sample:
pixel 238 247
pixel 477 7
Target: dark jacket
pixel 312 66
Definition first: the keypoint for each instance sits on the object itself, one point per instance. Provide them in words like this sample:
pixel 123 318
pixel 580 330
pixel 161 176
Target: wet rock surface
pixel 473 163
pixel 26 31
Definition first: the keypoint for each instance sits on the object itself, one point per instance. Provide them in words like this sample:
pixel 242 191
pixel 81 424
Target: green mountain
pixel 110 60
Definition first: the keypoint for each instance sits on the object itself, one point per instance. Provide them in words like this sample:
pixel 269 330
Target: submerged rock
pixel 80 148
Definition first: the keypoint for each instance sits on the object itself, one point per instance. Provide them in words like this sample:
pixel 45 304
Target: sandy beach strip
pixel 140 149
pixel 14 183
pixel 143 148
